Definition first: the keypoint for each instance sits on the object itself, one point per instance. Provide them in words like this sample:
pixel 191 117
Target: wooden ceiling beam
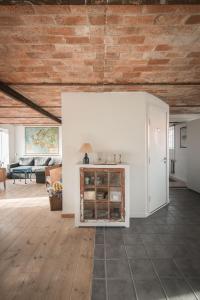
pixel 97 2
pixel 19 97
pixel 27 121
pixel 18 107
pixel 185 106
pixel 107 84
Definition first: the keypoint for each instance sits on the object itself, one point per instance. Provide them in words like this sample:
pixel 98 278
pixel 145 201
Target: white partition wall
pixel 193 150
pixel 111 122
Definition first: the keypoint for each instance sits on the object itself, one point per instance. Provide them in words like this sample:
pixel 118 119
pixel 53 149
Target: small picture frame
pixel 115 196
pixel 183 137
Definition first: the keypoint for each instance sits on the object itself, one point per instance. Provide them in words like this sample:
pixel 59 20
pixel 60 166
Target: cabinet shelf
pixel 102 196
pixel 88 186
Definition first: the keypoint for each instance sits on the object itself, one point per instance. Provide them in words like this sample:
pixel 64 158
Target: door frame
pixel 165 108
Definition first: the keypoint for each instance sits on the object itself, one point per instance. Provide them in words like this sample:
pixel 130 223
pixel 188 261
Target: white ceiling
pixel 183 117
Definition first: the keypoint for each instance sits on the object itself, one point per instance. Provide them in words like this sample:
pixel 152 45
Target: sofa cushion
pixel 26 161
pixel 38 168
pixel 41 161
pixel 55 161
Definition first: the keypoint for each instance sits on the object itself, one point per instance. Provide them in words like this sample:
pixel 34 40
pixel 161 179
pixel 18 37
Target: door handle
pixel 165 160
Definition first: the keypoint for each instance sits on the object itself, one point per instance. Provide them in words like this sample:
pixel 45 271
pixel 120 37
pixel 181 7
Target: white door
pixel 157 171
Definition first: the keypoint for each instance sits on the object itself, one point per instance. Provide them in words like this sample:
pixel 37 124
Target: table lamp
pixel 86 148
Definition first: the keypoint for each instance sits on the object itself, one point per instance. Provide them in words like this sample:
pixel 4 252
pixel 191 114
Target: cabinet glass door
pixel 102 194
pixel 89 210
pixel 101 178
pixel 102 210
pixel 116 211
pixel 115 194
pixel 115 179
pixel 89 179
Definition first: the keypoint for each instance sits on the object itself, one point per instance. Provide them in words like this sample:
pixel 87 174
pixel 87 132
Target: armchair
pixel 3 176
pixel 48 173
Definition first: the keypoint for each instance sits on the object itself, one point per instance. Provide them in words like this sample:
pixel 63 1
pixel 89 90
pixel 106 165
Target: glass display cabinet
pixel 103 199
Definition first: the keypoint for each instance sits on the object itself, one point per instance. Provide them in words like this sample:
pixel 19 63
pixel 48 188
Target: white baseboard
pixel 194 189
pixel 139 215
pixel 159 208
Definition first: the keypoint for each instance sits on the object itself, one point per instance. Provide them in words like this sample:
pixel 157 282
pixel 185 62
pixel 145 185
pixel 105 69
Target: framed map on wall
pixel 41 140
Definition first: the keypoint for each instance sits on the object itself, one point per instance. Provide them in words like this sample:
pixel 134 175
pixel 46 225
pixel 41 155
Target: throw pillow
pixel 41 161
pixel 26 161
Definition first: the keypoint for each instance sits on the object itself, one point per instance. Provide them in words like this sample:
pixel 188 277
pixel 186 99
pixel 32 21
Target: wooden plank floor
pixel 42 256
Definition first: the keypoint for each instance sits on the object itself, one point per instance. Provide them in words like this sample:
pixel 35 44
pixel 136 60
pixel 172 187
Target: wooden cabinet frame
pixel 95 198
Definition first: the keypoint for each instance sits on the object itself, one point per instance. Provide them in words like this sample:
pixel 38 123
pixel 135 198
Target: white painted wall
pixel 180 156
pixel 11 132
pixel 20 141
pixel 193 155
pixel 17 141
pixel 111 122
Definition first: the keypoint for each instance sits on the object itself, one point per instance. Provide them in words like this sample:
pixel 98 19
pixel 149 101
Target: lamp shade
pixel 86 148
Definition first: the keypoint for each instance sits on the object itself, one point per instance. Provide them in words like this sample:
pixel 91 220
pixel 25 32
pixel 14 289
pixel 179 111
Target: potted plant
pixel 55 196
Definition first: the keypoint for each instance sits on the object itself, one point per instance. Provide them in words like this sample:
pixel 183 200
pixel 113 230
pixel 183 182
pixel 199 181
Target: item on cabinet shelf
pixel 87 180
pixel 86 148
pixel 92 179
pixel 120 158
pixel 115 213
pixel 88 213
pixel 89 195
pixel 102 211
pixel 114 158
pixel 102 179
pixel 102 195
pixel 105 163
pixel 102 214
pixel 99 180
pixel 115 196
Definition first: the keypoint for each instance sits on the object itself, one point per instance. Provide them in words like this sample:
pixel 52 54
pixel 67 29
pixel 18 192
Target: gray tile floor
pixel 156 258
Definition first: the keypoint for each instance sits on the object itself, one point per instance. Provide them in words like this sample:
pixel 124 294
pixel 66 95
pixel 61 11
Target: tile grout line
pixel 158 277
pixel 133 281
pixel 106 283
pixel 170 231
pixel 174 261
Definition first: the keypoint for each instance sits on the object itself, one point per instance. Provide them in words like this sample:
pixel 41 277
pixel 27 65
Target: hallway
pixel 156 258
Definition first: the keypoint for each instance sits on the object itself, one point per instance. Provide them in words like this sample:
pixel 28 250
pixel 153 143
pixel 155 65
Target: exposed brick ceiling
pixel 99 2
pixel 47 49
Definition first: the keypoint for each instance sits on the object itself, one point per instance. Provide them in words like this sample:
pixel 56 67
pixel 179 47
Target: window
pixel 171 137
pixel 4 148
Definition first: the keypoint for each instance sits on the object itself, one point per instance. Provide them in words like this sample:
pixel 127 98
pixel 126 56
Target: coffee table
pixel 21 170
